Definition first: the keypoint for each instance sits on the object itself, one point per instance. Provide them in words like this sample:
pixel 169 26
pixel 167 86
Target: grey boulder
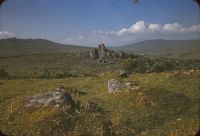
pixel 115 86
pixel 55 98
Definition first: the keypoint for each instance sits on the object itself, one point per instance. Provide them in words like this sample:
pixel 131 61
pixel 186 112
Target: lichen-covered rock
pixel 102 52
pixel 120 54
pixel 55 98
pixel 115 85
pixel 94 53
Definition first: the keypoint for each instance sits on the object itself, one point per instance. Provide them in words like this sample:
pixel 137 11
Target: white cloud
pixel 5 34
pixel 154 27
pixel 137 27
pixel 80 37
pixel 97 32
pixel 171 27
pixel 122 31
pixel 139 31
pixel 193 28
pixel 141 28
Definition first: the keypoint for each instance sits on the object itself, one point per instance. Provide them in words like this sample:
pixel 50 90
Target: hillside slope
pixel 163 47
pixel 15 47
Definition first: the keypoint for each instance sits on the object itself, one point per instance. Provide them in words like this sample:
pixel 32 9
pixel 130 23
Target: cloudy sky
pixel 89 22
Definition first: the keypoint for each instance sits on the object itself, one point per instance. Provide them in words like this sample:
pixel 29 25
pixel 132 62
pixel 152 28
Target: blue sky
pixel 89 22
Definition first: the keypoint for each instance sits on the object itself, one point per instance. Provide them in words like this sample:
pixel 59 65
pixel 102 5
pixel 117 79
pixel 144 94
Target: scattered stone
pixel 179 119
pixel 94 53
pixel 123 73
pixel 132 86
pixel 56 98
pixel 101 74
pixel 129 85
pixel 152 103
pixel 135 88
pixel 140 93
pixel 118 86
pixel 144 133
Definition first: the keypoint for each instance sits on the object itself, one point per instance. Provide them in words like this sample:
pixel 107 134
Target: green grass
pixel 162 106
pixel 166 105
pixel 52 65
pixel 13 47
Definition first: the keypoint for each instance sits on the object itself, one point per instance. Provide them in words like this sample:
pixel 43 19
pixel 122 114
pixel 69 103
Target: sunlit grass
pixel 162 106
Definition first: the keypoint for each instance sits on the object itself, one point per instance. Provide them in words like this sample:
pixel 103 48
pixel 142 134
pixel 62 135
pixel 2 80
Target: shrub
pixel 158 67
pixel 128 65
pixel 64 75
pixel 46 75
pixel 142 65
pixel 169 65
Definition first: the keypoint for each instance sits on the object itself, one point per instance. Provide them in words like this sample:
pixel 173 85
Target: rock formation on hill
pixel 104 55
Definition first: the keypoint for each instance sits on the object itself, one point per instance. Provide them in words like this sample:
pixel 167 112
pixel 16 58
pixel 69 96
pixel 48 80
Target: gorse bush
pixel 158 67
pixel 128 65
pixel 142 64
pixel 165 65
pixel 139 65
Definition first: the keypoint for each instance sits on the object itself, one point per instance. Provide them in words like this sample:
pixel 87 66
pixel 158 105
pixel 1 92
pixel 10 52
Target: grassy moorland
pixel 13 47
pixel 167 103
pixel 164 47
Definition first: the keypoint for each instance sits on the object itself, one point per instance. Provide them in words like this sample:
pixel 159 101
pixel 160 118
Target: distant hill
pixel 15 47
pixel 163 47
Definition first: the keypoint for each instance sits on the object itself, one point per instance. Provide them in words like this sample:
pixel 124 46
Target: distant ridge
pixel 163 47
pixel 15 46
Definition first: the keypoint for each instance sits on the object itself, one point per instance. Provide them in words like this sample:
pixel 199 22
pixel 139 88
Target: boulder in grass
pixel 55 98
pixel 115 86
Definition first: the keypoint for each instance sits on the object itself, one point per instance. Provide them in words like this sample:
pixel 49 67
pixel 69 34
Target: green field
pixel 162 106
pixel 167 103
